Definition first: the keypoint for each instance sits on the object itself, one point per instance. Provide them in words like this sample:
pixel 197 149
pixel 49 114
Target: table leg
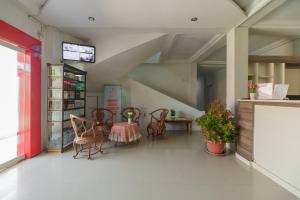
pixel 190 125
pixel 187 128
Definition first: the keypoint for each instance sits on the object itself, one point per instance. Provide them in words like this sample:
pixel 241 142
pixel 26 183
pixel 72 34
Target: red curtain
pixel 30 88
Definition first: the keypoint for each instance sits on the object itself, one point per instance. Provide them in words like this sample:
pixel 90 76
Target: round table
pixel 124 132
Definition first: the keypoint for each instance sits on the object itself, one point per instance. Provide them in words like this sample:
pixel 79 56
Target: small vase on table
pixel 252 96
pixel 129 117
pixel 252 90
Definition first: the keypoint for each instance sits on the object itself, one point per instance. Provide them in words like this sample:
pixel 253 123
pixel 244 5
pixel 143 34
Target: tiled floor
pixel 173 168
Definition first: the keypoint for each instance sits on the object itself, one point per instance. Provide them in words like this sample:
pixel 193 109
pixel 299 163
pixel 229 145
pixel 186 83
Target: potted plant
pixel 252 90
pixel 173 113
pixel 217 126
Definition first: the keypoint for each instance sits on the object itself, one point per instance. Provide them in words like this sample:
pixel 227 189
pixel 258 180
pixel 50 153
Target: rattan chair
pixel 87 138
pixel 157 126
pixel 104 119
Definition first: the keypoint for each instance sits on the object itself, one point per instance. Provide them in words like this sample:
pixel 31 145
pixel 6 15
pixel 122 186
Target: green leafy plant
pixel 218 124
pixel 173 113
pixel 252 87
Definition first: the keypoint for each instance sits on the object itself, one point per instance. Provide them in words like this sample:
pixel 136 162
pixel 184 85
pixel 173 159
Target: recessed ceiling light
pixel 193 19
pixel 91 19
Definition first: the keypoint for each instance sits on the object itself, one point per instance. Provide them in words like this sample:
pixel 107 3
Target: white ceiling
pixel 186 45
pixel 144 16
pixel 257 41
pixel 244 4
pixel 284 21
pixel 141 13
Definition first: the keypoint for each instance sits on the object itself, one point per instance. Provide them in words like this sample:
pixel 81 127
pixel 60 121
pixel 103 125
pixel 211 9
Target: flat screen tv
pixel 78 52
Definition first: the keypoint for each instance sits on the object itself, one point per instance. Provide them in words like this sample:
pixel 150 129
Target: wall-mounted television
pixel 78 52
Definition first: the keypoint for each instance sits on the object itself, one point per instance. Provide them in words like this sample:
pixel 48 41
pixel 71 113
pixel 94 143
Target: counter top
pixel 270 101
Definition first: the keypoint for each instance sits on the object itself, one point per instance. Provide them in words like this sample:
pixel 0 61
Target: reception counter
pixel 269 138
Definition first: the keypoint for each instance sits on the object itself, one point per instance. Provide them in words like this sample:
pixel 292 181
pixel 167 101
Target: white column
pixel 236 66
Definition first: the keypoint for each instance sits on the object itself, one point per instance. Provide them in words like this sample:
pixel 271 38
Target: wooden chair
pixel 104 118
pixel 136 113
pixel 157 124
pixel 86 136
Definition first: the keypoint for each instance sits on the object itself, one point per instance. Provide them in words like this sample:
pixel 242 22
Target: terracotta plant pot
pixel 215 148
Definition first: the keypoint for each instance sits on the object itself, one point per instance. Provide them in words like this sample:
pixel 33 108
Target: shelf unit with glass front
pixel 66 95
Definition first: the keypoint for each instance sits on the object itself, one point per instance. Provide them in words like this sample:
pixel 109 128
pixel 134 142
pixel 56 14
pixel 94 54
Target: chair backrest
pixel 136 112
pixel 103 116
pixel 78 125
pixel 162 112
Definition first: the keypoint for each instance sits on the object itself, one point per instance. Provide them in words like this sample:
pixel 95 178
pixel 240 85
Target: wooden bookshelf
pixel 66 95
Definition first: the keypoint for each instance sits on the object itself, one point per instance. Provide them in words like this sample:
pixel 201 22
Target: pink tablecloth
pixel 124 132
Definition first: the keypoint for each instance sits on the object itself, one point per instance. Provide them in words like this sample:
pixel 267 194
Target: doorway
pixel 12 83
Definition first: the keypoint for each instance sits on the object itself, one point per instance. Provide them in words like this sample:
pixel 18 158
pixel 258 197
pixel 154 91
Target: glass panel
pixel 12 121
pixel 54 134
pixel 55 82
pixel 54 93
pixel 69 94
pixel 79 103
pixel 55 104
pixel 55 70
pixel 68 133
pixel 54 115
pixel 77 112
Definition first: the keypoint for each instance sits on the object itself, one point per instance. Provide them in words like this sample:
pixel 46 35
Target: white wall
pixel 178 81
pixel 296 45
pixel 51 45
pixel 213 85
pixel 219 84
pixel 292 77
pixel 148 100
pixel 14 15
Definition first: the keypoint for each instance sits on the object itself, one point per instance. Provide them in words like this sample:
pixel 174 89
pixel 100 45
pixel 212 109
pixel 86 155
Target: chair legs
pixel 88 148
pixel 89 152
pixel 154 132
pixel 75 149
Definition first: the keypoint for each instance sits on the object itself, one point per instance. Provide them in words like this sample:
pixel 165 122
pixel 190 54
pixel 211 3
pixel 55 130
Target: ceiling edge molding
pixel 215 43
pixel 176 61
pixel 239 7
pixel 273 45
pixel 212 62
pixel 280 25
pixel 255 6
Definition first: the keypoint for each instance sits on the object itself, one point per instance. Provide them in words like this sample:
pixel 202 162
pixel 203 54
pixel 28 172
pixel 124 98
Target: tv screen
pixel 77 52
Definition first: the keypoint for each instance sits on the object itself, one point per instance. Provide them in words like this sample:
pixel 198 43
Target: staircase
pixel 117 63
pixel 149 99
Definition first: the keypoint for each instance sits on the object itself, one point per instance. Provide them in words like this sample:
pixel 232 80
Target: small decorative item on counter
pixel 252 90
pixel 129 116
pixel 173 113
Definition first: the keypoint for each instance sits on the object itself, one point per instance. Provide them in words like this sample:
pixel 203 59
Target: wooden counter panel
pixel 245 143
pixel 245 121
pixel 246 133
pixel 245 116
pixel 244 153
pixel 245 105
pixel 246 124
